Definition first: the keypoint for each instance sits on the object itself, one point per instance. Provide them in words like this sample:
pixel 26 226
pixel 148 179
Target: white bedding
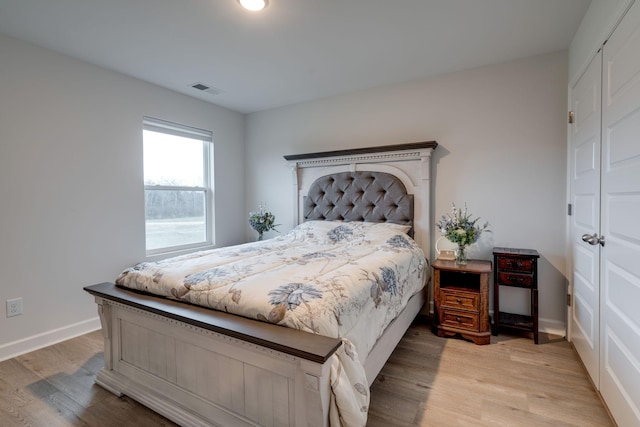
pixel 345 280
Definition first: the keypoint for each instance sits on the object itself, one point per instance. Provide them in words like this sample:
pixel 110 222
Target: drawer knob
pixel 458 300
pixel 458 319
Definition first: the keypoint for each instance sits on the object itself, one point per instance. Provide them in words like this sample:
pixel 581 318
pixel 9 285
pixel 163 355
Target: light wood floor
pixel 428 381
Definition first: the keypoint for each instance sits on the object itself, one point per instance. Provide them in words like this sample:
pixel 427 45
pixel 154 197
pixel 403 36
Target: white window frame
pixel 163 126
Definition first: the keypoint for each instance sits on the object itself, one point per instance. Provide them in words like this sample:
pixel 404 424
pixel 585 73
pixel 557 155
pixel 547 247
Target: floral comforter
pixel 346 280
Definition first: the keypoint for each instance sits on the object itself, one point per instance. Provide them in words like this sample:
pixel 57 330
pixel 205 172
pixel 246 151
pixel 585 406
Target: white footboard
pixel 199 377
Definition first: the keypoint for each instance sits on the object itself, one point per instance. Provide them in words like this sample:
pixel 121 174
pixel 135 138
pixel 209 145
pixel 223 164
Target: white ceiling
pixel 295 50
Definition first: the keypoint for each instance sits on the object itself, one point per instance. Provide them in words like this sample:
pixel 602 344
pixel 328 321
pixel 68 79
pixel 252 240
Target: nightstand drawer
pixel 452 298
pixel 515 264
pixel 513 279
pixel 460 319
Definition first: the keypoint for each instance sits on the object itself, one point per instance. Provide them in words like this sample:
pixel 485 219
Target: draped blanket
pixel 346 280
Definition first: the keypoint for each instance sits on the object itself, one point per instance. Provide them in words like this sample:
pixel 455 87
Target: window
pixel 177 186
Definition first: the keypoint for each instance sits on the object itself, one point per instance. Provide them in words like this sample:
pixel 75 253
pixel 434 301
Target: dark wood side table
pixel 517 268
pixel 461 298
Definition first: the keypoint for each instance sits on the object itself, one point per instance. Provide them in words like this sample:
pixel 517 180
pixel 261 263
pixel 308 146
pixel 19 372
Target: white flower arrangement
pixel 262 221
pixel 458 226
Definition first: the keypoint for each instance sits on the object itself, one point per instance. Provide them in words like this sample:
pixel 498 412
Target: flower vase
pixel 259 236
pixel 461 255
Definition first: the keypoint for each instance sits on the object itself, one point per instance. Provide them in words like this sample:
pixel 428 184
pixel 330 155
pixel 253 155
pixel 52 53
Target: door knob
pixel 593 239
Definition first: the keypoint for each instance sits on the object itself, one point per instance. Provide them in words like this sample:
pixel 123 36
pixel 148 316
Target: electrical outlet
pixel 14 307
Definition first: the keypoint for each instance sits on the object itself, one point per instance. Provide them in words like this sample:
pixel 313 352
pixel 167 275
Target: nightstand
pixel 516 268
pixel 461 299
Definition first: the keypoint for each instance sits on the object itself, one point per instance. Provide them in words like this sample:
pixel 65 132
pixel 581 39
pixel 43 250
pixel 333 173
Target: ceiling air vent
pixel 206 88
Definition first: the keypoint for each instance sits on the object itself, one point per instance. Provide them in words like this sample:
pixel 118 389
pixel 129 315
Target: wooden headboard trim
pixel 367 150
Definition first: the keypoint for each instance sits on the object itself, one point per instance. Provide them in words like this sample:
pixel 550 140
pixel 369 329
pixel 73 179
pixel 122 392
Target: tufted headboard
pixel 359 196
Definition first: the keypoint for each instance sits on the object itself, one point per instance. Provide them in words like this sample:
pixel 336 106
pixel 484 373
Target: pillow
pixel 383 227
pixel 339 231
pixel 317 226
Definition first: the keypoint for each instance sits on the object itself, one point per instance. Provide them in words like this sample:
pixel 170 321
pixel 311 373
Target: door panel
pixel 585 198
pixel 584 316
pixel 624 147
pixel 621 225
pixel 585 156
pixel 620 278
pixel 586 211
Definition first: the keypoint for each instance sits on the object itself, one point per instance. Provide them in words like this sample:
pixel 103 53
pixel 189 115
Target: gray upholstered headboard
pixel 359 196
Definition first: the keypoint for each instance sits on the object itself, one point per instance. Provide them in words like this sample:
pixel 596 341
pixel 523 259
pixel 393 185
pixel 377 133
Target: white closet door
pixel 585 219
pixel 620 275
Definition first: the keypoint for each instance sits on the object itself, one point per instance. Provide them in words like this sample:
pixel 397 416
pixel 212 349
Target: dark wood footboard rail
pixel 305 345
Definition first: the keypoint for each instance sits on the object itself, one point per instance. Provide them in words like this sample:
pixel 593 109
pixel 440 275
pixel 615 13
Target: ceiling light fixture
pixel 254 5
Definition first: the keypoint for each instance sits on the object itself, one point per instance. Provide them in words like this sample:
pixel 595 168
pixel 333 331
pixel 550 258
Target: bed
pixel 198 366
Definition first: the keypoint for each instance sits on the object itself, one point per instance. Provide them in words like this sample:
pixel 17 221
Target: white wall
pixel 71 194
pixel 596 26
pixel 502 136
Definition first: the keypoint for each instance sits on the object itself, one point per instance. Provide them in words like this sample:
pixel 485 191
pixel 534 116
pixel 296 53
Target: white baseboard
pixel 554 327
pixel 45 339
